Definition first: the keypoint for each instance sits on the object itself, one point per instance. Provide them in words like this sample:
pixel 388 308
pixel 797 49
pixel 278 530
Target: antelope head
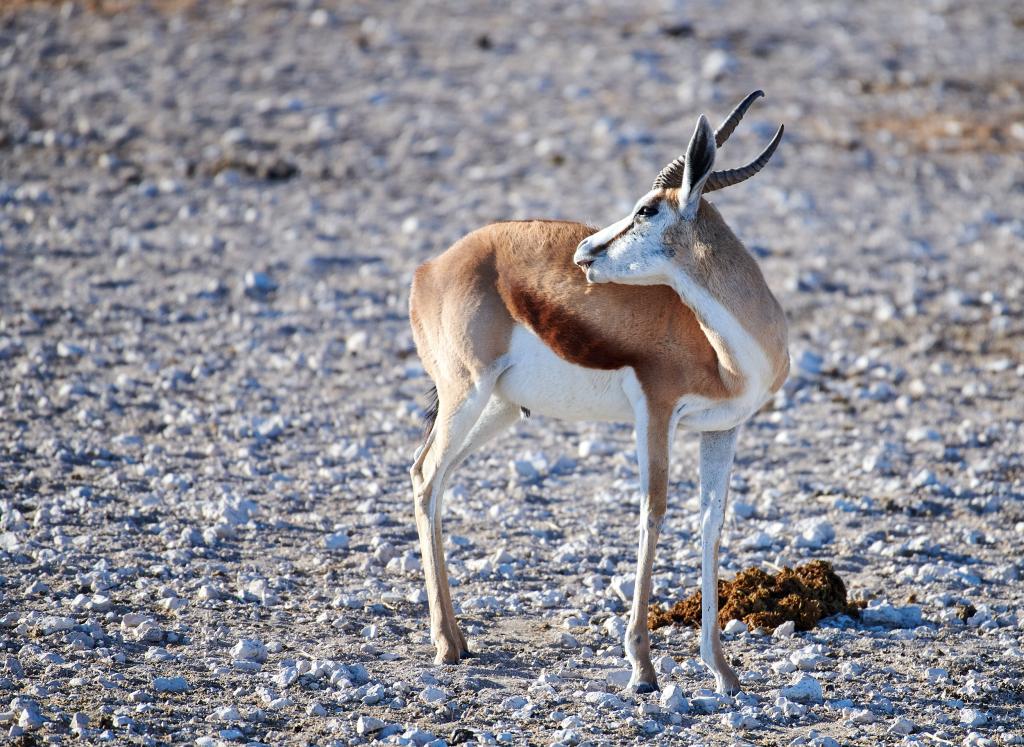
pixel 657 237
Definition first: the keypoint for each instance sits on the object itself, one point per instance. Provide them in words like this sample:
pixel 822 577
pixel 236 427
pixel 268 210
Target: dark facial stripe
pixel 624 231
pixel 613 239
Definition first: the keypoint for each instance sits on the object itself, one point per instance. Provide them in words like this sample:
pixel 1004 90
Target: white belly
pixel 545 384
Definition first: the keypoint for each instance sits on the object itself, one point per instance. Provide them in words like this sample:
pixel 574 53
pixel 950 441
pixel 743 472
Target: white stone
pixel 665 664
pixel 785 630
pixel 791 709
pixel 672 699
pixel 336 541
pixel 30 719
pixel 851 669
pixel 739 720
pixel 408 562
pixel 615 627
pixel 228 713
pixel 170 684
pixel 623 587
pixel 514 703
pixel 567 640
pixel 417 736
pixel 923 478
pixel 717 64
pixel 368 725
pixel 357 341
pixel 79 723
pixel 134 619
pixel 249 649
pixel 618 678
pixel 502 557
pixel 784 667
pixel 734 627
pixel 803 689
pixel 235 136
pixel 590 447
pixel 894 617
pixel 603 699
pixel 707 703
pixel 433 695
pixel 548 598
pixel 757 541
pixel 807 661
pixel 286 676
pixel 809 363
pixel 524 471
pixel 270 428
pixel 815 533
pixel 862 716
pixel 52 624
pixel 208 593
pixel 902 726
pixel 972 717
pixel 148 631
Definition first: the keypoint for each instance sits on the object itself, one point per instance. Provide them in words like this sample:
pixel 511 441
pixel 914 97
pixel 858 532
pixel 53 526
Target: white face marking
pixel 632 250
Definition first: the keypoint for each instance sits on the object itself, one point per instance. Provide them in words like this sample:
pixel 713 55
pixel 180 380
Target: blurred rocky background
pixel 209 396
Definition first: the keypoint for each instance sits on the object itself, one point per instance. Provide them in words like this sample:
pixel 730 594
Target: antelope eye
pixel 648 210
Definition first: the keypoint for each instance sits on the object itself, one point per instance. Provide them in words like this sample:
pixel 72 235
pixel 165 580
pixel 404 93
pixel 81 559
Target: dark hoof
pixel 643 688
pixel 730 689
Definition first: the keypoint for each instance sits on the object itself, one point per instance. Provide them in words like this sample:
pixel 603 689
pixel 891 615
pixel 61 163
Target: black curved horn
pixel 671 177
pixel 729 177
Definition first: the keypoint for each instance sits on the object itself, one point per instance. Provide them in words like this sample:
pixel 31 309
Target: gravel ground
pixel 209 395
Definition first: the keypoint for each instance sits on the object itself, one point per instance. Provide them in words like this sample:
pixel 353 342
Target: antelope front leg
pixel 716 456
pixel 652 444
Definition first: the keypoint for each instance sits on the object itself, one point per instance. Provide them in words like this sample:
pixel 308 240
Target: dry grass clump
pixel 804 594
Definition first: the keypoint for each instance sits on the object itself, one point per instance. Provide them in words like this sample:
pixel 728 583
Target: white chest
pixel 701 414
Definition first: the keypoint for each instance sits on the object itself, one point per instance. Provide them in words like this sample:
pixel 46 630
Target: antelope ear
pixel 700 158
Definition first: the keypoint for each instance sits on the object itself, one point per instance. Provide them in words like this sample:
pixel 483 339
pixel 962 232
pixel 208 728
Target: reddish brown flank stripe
pixel 570 337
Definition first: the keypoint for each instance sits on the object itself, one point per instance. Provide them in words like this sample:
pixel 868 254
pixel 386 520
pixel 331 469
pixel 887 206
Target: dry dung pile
pixel 804 595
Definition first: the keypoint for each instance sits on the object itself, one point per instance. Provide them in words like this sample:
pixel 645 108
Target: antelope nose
pixel 583 258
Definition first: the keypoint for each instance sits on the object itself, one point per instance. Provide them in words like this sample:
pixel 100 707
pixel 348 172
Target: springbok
pixel 663 318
